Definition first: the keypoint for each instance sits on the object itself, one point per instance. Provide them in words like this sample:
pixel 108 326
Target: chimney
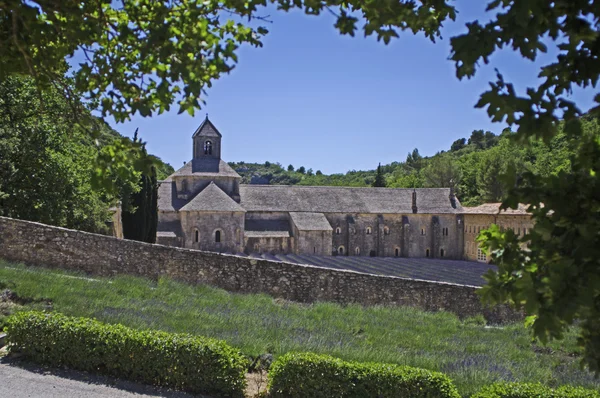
pixel 414 201
pixel 451 196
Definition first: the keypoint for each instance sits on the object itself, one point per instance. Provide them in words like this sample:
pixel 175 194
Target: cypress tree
pixel 139 215
pixel 379 178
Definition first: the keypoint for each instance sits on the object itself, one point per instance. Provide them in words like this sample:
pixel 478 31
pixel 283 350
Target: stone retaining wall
pixel 43 245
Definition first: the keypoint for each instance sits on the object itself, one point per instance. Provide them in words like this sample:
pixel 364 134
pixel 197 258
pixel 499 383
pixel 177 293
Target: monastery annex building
pixel 203 206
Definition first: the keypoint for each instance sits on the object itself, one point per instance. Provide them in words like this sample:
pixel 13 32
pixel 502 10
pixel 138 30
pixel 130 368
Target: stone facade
pixel 481 217
pixel 206 196
pixel 43 245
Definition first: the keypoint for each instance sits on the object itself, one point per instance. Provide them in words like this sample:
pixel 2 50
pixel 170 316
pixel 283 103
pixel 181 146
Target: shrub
pixel 312 375
pixel 524 390
pixel 180 361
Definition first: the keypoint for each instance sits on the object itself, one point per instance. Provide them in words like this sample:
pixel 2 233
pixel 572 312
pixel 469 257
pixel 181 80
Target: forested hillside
pixel 473 166
pixel 48 147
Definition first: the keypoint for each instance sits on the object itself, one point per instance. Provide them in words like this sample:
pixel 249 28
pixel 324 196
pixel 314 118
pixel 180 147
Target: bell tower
pixel 207 141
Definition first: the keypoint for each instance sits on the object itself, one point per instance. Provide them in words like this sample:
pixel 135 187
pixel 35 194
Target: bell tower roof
pixel 206 129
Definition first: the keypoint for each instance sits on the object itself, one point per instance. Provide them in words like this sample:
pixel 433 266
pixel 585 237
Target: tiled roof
pixel 494 208
pixel 310 221
pixel 345 199
pixel 207 129
pixel 206 167
pixel 212 198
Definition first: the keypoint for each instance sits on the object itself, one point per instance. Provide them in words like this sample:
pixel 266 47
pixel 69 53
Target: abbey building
pixel 203 206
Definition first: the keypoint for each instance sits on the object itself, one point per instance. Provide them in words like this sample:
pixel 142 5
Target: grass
pixel 470 353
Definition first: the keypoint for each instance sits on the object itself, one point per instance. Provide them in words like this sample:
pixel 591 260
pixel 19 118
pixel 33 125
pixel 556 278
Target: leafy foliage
pixel 143 56
pixel 48 158
pixel 379 178
pixel 185 362
pixel 312 375
pixel 556 279
pixel 522 390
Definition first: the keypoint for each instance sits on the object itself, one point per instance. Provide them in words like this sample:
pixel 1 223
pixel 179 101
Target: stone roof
pixel 345 199
pixel 494 208
pixel 212 198
pixel 310 221
pixel 165 234
pixel 207 129
pixel 167 196
pixel 206 167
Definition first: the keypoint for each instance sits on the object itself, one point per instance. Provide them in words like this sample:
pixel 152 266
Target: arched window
pixel 397 252
pixel 257 247
pixel 357 251
pixel 341 250
pixel 441 252
pixel 184 186
pixel 338 231
pixel 422 231
pixel 208 148
pixel 196 236
pixel 369 230
pixel 386 231
pixel 427 253
pixel 218 236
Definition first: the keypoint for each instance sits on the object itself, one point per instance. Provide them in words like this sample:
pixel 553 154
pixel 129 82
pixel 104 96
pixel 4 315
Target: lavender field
pixel 470 352
pixel 431 269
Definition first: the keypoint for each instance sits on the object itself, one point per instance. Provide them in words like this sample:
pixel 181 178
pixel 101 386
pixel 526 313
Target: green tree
pixel 46 160
pixel 140 206
pixel 379 178
pixel 414 159
pixel 458 144
pixel 290 168
pixel 477 139
pixel 301 170
pixel 319 173
pixel 441 172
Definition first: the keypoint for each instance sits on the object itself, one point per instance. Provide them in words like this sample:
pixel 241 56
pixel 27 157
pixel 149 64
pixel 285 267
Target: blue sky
pixel 311 97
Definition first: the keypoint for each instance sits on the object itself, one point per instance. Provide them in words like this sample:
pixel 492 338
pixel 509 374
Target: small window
pixel 208 148
pixel 257 247
pixel 469 229
pixel 196 236
pixel 427 253
pixel 422 231
pixel 441 252
pixel 341 250
pixel 184 186
pixel 397 252
pixel 519 231
pixel 314 249
pixel 478 229
pixel 386 231
pixel 481 256
pixel 465 229
pixel 368 230
pixel 338 231
pixel 357 251
pixel 524 231
pixel 218 236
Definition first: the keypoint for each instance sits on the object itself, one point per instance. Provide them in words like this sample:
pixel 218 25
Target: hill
pixel 472 166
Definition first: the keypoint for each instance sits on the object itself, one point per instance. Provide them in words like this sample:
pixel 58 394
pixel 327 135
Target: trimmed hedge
pixel 313 375
pixel 524 390
pixel 179 361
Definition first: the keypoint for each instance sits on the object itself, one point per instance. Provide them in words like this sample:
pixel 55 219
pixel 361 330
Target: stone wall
pixel 42 245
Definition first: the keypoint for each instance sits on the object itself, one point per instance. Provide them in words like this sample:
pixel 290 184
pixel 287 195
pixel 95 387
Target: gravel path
pixel 24 380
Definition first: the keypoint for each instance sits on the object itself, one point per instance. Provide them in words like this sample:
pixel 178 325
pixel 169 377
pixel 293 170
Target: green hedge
pixel 312 375
pixel 179 361
pixel 523 390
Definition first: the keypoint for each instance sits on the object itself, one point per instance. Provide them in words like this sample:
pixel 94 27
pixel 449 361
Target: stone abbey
pixel 203 206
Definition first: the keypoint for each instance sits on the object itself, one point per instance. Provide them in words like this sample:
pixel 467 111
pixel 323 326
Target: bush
pixel 180 361
pixel 523 390
pixel 312 375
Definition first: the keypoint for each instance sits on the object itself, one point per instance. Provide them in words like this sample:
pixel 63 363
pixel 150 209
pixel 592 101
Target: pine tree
pixel 379 178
